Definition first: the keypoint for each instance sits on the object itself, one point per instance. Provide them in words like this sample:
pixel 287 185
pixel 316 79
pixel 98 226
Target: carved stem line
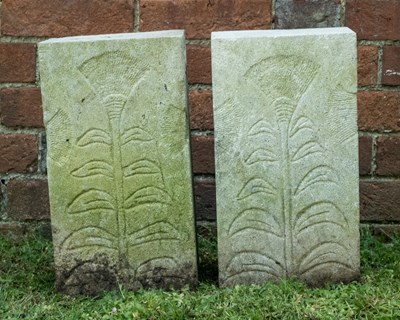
pixel 119 190
pixel 284 119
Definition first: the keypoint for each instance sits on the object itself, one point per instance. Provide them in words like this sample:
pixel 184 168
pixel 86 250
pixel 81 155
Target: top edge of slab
pixel 280 33
pixel 119 36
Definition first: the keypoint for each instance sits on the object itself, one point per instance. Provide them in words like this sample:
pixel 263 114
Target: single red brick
pixel 365 154
pixel 201 17
pixel 17 62
pixel 380 201
pixel 374 20
pixel 13 229
pixel 21 107
pixel 388 156
pixel 203 154
pixel 201 109
pixel 204 193
pixel 198 64
pixel 379 110
pixel 367 65
pixel 391 65
pixel 386 231
pixel 291 14
pixel 19 153
pixel 61 18
pixel 28 200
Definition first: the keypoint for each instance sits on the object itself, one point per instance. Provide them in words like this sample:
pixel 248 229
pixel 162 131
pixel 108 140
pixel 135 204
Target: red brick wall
pixel 23 23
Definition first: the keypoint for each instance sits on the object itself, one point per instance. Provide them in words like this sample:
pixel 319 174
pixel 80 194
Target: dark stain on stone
pixel 89 277
pixel 167 279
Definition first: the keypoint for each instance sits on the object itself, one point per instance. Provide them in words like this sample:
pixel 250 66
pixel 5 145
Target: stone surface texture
pixel 286 148
pixel 115 111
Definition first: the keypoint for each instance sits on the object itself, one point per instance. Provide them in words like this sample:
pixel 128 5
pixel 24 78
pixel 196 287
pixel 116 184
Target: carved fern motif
pixel 288 145
pixel 114 85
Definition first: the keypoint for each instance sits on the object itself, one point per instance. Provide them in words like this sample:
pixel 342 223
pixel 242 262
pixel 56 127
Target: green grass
pixel 27 280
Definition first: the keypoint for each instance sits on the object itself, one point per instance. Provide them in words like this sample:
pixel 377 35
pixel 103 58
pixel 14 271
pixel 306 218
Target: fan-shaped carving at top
pixel 293 150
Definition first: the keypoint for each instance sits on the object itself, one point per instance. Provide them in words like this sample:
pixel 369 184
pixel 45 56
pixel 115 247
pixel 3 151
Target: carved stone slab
pixel 115 111
pixel 286 155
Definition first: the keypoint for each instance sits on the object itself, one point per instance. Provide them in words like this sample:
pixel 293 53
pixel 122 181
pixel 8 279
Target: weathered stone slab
pixel 286 155
pixel 115 110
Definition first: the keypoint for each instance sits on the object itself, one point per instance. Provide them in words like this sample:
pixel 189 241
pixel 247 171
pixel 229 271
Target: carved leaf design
pixel 157 231
pixel 94 136
pixel 88 237
pixel 301 164
pixel 255 186
pixel 149 265
pixel 147 195
pixel 261 155
pixel 253 261
pixel 255 219
pixel 317 214
pixel 94 168
pixel 165 263
pixel 143 166
pixel 301 124
pixel 92 201
pixel 306 149
pixel 322 254
pixel 262 127
pixel 135 134
pixel 319 174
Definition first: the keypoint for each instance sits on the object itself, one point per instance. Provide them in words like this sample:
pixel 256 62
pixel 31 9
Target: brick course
pixel 365 154
pixel 380 201
pixel 391 66
pixel 374 20
pixel 19 153
pixel 367 65
pixel 198 64
pixel 17 62
pixel 21 107
pixel 57 18
pixel 28 200
pixel 203 154
pixel 201 112
pixel 201 17
pixel 388 156
pixel 204 195
pixel 379 111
